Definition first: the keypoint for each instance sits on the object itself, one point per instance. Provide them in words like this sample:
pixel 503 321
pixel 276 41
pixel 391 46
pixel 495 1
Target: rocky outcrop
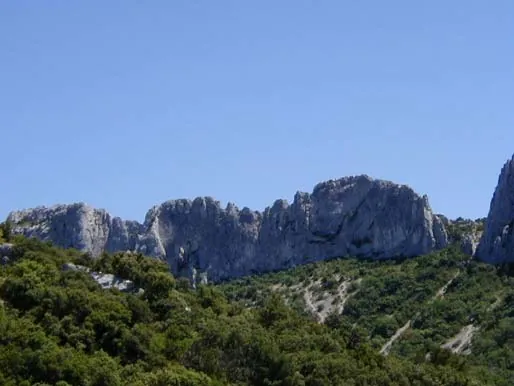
pixel 461 343
pixel 77 226
pixel 465 233
pixel 354 216
pixel 105 280
pixel 497 242
pixel 469 243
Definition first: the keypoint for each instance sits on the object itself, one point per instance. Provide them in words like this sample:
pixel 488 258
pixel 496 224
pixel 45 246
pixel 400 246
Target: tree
pixel 6 229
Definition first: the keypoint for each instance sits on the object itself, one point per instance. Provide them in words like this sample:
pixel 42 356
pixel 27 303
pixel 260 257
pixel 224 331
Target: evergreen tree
pixel 6 229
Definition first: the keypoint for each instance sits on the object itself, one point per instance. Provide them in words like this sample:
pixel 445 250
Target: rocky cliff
pixel 466 233
pixel 497 242
pixel 77 226
pixel 354 216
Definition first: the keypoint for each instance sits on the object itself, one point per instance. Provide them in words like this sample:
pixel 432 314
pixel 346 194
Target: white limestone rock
pixel 470 242
pixel 497 243
pixel 105 280
pixel 353 216
pixel 77 226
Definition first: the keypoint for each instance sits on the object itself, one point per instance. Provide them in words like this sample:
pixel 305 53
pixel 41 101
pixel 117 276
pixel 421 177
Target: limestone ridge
pixel 77 226
pixel 352 216
pixel 497 242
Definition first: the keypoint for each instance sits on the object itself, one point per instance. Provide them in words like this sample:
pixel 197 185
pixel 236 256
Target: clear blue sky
pixel 124 104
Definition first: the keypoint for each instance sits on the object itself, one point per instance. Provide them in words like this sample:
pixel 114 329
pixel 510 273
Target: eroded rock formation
pixel 353 216
pixel 497 243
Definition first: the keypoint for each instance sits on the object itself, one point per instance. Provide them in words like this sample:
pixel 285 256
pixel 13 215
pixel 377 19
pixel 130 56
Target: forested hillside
pixel 61 328
pixel 440 308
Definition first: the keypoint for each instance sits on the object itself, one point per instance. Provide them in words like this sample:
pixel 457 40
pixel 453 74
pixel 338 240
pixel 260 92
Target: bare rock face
pixel 77 226
pixel 199 235
pixel 106 280
pixel 464 232
pixel 470 242
pixel 354 216
pixel 497 242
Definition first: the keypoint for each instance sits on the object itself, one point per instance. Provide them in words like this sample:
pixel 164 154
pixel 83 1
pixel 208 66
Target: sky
pixel 125 104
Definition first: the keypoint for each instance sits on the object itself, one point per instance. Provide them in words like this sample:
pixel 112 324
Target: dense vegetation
pixel 61 328
pixel 436 297
pixel 5 231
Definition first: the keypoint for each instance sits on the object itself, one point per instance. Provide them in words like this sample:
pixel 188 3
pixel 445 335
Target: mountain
pixel 352 216
pixel 497 243
pixel 346 303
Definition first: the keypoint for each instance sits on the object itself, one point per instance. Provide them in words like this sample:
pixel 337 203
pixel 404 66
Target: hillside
pixel 409 309
pixel 59 327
